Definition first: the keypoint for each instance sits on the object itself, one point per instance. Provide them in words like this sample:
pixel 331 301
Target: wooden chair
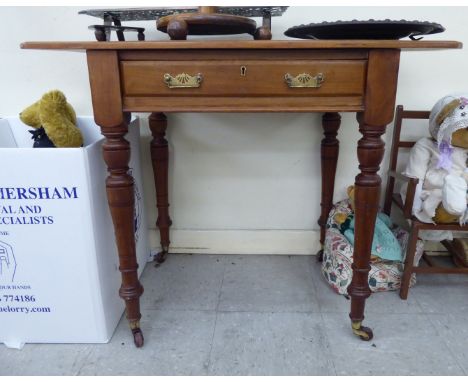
pixel 406 207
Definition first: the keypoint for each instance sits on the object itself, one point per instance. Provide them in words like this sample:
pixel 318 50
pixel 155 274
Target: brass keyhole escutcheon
pixel 243 70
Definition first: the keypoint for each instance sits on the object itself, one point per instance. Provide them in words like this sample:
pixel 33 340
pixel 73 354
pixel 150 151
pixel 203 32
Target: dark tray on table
pixel 364 30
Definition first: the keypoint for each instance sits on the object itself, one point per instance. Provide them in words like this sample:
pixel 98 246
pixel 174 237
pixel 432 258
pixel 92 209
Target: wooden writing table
pixel 243 76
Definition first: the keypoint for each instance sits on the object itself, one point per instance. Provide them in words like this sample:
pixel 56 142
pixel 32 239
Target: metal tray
pixel 135 14
pixel 365 30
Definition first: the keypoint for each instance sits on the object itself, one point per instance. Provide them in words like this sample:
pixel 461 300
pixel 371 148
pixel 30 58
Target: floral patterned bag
pixel 338 257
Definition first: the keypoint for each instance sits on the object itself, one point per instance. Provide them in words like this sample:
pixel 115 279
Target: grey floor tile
pixel 381 302
pixel 403 344
pixel 43 359
pixel 183 282
pixel 288 321
pixel 176 343
pixel 453 328
pixel 269 344
pixel 268 284
pixel 441 293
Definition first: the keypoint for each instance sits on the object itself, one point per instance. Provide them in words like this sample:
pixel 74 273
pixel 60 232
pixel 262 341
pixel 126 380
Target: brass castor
pixel 363 332
pixel 138 338
pixel 137 334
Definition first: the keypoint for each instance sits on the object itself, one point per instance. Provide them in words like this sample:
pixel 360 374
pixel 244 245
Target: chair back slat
pixel 415 114
pixel 406 144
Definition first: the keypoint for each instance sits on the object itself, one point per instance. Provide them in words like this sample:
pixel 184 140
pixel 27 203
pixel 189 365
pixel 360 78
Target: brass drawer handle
pixel 304 80
pixel 183 80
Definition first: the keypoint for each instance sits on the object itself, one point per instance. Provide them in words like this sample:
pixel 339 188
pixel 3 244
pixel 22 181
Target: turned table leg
pixel 160 160
pixel 107 105
pixel 329 158
pixel 367 197
pixel 120 195
pixel 381 82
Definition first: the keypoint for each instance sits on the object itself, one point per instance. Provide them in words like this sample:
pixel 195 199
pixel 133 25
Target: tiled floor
pixel 267 315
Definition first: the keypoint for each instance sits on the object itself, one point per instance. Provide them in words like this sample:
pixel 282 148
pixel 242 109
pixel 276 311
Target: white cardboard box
pixel 59 276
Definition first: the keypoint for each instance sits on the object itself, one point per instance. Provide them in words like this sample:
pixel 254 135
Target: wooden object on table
pixel 102 32
pixel 228 20
pixel 406 207
pixel 245 76
pixel 208 21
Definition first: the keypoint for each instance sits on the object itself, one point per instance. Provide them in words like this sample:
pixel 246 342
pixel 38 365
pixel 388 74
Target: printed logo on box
pixel 7 263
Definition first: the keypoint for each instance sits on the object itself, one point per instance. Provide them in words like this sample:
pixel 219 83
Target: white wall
pixel 239 183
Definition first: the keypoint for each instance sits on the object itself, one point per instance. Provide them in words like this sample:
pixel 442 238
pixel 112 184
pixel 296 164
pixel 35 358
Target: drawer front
pixel 243 78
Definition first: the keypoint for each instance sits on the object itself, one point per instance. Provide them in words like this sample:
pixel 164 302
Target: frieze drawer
pixel 243 78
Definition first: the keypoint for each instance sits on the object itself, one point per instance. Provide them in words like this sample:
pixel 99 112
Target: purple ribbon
pixel 445 159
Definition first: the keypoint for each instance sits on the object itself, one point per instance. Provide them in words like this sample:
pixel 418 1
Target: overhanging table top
pixel 243 44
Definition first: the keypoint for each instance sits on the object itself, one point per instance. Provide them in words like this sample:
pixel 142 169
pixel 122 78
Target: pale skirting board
pixel 253 242
pixel 243 242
